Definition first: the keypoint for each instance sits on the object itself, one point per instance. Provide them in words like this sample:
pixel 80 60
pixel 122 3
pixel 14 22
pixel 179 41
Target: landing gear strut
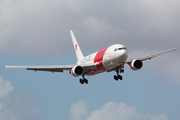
pixel 84 80
pixel 116 77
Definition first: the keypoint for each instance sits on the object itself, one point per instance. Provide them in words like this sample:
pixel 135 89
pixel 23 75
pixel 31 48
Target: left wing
pixel 121 65
pixel 151 56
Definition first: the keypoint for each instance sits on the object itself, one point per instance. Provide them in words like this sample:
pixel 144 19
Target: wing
pixel 53 68
pixel 151 56
pixel 56 68
pixel 121 65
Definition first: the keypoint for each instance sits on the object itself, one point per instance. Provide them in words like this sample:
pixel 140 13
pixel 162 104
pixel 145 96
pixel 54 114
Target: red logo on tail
pixel 75 47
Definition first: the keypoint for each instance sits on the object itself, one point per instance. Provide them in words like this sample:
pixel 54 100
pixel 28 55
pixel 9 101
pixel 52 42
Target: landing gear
pixel 84 80
pixel 121 70
pixel 116 77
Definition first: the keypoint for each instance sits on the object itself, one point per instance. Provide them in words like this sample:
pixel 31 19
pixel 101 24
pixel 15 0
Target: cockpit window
pixel 124 48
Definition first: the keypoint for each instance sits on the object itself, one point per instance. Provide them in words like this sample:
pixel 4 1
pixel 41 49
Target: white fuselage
pixel 107 58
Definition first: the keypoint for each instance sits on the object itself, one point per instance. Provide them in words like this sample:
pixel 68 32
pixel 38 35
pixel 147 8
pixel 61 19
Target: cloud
pixel 28 27
pixel 5 87
pixel 41 27
pixel 165 67
pixel 78 111
pixel 15 105
pixel 98 27
pixel 113 111
pixel 168 70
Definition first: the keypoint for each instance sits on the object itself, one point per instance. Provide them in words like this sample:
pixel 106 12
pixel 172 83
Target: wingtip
pixel 174 49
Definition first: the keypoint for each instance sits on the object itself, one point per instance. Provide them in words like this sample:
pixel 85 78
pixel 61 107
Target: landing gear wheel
pixel 86 81
pixel 115 77
pixel 120 77
pixel 119 69
pixel 81 81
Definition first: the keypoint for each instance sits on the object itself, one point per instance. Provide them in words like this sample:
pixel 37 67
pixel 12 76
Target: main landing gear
pixel 84 80
pixel 116 77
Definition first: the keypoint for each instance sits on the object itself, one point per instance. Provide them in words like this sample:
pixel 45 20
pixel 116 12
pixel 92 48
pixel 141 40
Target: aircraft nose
pixel 121 55
pixel 125 54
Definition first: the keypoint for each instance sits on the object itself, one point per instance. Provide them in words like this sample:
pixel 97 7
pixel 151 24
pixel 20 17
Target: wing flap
pixel 46 69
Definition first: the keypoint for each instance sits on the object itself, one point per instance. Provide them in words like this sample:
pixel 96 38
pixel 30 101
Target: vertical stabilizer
pixel 77 49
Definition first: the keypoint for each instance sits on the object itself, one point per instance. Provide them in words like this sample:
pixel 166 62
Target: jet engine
pixel 77 71
pixel 136 64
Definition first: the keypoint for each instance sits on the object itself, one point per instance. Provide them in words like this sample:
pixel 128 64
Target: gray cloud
pixel 41 27
pixel 115 111
pixel 15 105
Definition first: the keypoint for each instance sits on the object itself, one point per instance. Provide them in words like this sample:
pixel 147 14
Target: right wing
pixel 53 68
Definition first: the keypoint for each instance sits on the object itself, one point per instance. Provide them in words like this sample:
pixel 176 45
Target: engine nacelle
pixel 136 64
pixel 77 71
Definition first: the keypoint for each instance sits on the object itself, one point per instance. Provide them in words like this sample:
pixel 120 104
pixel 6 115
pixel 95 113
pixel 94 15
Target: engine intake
pixel 77 71
pixel 136 64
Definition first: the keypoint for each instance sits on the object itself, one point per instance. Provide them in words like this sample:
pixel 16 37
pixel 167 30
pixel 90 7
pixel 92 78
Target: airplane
pixel 112 58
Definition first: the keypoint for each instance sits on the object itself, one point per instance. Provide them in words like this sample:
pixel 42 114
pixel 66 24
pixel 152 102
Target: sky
pixel 36 32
